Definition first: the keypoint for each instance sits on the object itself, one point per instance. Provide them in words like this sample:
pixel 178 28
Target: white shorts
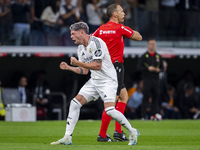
pixel 105 89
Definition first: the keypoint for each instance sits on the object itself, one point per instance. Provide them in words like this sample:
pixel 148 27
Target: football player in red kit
pixel 113 33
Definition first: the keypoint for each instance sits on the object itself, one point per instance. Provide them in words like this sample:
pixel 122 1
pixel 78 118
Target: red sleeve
pixel 96 33
pixel 126 31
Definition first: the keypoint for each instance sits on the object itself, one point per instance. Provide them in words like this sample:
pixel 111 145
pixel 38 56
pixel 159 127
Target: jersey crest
pixel 90 50
pixel 157 58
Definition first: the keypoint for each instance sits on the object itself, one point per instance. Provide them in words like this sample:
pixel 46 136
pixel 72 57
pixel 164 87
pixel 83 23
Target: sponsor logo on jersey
pixel 107 32
pixel 88 60
pixel 98 53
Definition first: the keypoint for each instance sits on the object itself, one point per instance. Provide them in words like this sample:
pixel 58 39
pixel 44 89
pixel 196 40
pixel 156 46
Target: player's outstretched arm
pixel 78 70
pixel 136 36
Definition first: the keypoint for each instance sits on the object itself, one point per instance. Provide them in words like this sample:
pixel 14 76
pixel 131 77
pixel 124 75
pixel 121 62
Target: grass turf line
pixel 165 135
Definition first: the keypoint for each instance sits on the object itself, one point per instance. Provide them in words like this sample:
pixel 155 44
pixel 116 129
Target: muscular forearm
pixel 78 70
pixel 4 13
pixel 136 36
pixel 67 15
pixel 90 66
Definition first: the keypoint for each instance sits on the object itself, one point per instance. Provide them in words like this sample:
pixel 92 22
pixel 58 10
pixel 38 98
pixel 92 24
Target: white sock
pixel 73 116
pixel 120 118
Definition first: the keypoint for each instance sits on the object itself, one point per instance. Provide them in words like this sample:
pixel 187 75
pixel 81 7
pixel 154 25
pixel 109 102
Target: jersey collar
pixel 89 41
pixel 113 22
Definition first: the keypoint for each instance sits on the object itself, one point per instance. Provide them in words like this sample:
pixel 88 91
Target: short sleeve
pixel 126 31
pixel 98 54
pixel 97 51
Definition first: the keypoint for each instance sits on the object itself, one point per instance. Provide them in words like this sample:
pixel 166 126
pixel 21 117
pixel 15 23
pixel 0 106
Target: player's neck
pixel 151 51
pixel 86 40
pixel 114 20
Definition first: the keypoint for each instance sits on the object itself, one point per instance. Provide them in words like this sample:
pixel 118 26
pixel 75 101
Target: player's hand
pixel 157 70
pixel 73 11
pixel 43 101
pixel 25 1
pixel 151 68
pixel 37 100
pixel 64 66
pixel 176 109
pixel 60 22
pixel 74 61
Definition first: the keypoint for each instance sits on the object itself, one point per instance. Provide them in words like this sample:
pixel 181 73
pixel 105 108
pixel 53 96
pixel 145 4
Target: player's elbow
pixel 137 36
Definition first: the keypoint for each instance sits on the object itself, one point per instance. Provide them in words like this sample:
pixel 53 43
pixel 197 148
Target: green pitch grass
pixel 162 135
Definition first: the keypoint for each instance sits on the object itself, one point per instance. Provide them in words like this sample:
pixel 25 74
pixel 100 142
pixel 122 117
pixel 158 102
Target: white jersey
pixel 97 49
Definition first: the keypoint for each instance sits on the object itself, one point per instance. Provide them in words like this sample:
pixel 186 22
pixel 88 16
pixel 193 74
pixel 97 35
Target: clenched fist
pixel 64 66
pixel 74 61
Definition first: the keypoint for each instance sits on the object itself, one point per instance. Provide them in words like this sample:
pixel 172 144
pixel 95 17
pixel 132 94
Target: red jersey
pixel 113 35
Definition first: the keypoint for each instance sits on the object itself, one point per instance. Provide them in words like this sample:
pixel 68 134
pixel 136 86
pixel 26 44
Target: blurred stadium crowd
pixel 175 102
pixel 46 22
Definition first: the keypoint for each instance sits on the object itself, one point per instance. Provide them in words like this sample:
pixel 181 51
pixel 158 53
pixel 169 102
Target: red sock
pixel 120 107
pixel 104 124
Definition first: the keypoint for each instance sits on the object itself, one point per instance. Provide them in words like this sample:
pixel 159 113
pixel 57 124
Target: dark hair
pixel 169 87
pixel 52 4
pixel 138 81
pixel 111 9
pixel 151 38
pixel 79 25
pixel 90 1
pixel 189 86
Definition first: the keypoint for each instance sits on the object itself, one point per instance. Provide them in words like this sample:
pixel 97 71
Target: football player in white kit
pixel 93 55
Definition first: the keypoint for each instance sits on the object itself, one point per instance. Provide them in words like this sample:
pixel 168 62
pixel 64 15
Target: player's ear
pixel 115 14
pixel 81 32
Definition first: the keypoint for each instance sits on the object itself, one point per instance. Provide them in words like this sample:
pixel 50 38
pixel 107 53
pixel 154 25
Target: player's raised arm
pixel 78 70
